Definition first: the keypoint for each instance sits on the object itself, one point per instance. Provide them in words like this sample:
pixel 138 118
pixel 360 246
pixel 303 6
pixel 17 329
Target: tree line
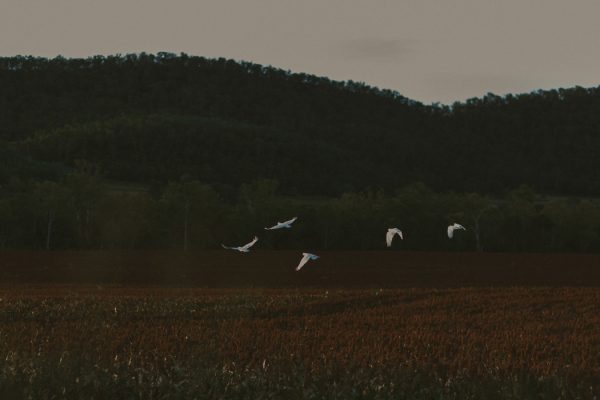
pixel 175 151
pixel 84 211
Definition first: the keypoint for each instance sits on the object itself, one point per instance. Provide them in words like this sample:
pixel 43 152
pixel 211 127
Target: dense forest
pixel 165 150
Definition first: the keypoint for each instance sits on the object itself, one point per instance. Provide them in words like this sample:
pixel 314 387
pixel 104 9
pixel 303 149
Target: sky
pixel 430 51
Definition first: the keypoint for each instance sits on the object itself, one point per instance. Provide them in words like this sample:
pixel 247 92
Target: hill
pixel 146 118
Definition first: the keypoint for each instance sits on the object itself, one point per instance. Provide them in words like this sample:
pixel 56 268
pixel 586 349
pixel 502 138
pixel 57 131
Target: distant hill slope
pixel 155 117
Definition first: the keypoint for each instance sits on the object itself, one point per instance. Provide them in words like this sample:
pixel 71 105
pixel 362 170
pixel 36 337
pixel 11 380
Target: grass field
pixel 375 326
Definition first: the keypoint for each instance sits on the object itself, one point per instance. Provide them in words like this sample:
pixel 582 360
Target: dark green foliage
pixel 150 118
pixel 166 147
pixel 142 151
pixel 15 164
pixel 84 211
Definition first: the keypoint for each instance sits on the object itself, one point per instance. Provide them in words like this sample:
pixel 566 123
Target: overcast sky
pixel 430 51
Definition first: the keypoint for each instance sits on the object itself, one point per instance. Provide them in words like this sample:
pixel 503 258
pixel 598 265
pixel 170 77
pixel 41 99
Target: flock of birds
pixel 306 257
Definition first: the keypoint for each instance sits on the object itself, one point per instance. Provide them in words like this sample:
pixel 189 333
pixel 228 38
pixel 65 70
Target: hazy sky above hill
pixel 427 50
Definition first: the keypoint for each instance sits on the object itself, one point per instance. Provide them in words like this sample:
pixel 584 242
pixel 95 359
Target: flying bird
pixel 286 224
pixel 305 258
pixel 452 228
pixel 390 235
pixel 243 249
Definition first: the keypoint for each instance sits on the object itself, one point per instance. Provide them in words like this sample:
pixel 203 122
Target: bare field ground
pixel 354 325
pixel 345 269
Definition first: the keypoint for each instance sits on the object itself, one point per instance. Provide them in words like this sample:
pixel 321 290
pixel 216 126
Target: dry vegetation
pixel 76 341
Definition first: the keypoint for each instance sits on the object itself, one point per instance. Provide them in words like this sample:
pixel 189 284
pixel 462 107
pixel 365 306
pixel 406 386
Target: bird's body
pixel 280 225
pixel 242 249
pixel 452 228
pixel 305 258
pixel 389 236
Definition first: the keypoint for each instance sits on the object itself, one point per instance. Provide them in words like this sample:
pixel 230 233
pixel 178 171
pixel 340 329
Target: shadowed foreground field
pixel 111 340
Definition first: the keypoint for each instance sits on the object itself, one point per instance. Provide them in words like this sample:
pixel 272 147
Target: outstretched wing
pixel 304 260
pixel 399 232
pixel 388 237
pixel 228 248
pixel 247 246
pixel 291 221
pixel 450 231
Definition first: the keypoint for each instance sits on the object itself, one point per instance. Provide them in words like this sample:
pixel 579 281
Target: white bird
pixel 305 258
pixel 390 235
pixel 243 249
pixel 453 227
pixel 286 224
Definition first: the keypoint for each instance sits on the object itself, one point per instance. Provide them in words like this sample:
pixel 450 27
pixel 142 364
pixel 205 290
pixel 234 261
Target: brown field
pixel 353 325
pixel 275 269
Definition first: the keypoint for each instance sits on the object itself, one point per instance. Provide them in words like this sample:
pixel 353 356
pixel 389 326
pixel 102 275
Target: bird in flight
pixel 305 258
pixel 389 236
pixel 286 224
pixel 243 249
pixel 452 228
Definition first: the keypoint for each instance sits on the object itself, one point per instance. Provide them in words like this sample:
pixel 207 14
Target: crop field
pixel 375 326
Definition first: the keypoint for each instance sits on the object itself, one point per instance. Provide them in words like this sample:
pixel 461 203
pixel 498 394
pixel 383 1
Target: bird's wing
pixel 247 246
pixel 227 247
pixel 291 221
pixel 400 234
pixel 278 225
pixel 388 237
pixel 304 260
pixel 450 231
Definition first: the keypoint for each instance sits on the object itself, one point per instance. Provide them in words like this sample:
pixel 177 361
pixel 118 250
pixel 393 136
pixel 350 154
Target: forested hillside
pixel 154 151
pixel 151 118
